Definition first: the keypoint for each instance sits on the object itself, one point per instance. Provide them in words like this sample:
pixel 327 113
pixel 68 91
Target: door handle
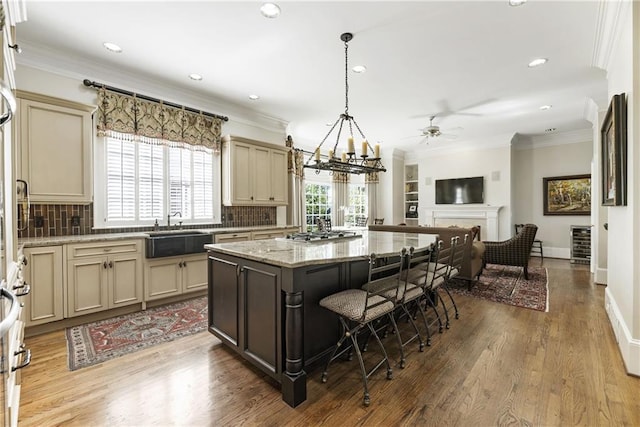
pixel 110 264
pixel 26 360
pixel 104 264
pixel 7 95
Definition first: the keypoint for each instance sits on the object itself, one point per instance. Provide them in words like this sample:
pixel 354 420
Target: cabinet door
pixel 279 179
pixel 194 273
pixel 44 274
pixel 125 273
pixel 261 174
pixel 56 139
pixel 223 299
pixel 259 292
pixel 88 290
pixel 241 181
pixel 162 278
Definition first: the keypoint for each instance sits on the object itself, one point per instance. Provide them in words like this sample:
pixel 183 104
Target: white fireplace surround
pixel 484 213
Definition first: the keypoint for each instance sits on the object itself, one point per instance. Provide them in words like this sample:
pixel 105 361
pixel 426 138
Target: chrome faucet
pixel 169 218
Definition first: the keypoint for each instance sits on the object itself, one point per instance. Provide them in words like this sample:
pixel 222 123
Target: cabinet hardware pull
pixel 20 286
pixel 25 291
pixel 26 360
pixel 180 264
pixel 104 264
pixel 5 92
pixel 107 249
pixel 110 264
pixel 251 197
pixel 184 263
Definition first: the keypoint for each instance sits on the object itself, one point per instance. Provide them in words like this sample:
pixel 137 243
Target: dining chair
pixel 358 309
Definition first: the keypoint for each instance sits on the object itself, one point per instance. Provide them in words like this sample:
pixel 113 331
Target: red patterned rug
pixel 98 342
pixel 507 285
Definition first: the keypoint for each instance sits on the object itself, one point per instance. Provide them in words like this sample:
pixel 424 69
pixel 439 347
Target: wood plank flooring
pixel 497 365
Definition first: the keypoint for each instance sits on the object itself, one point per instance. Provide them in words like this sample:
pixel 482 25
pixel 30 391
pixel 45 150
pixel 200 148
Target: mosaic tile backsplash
pixel 67 220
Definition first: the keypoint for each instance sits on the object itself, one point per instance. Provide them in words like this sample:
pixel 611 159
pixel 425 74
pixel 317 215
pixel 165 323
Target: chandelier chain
pixel 346 79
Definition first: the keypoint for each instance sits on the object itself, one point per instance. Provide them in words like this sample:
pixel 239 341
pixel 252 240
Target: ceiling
pixel 464 62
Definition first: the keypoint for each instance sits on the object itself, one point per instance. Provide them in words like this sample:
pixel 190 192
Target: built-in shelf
pixel 411 194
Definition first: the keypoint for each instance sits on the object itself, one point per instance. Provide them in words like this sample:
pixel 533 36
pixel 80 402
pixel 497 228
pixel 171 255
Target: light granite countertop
pixel 86 238
pixel 288 253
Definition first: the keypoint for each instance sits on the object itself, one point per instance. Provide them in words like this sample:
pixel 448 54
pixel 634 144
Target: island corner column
pixel 294 378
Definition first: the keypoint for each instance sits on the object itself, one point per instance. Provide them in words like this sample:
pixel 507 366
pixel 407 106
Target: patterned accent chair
pixel 514 251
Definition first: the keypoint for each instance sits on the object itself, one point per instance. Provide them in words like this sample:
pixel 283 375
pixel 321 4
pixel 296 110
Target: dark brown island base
pixel 264 294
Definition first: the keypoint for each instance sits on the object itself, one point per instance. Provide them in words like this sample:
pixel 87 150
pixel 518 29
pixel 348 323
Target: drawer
pixel 232 237
pixel 103 248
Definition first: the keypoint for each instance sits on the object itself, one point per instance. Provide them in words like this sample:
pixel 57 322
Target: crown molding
pixel 522 142
pixel 610 14
pixel 79 68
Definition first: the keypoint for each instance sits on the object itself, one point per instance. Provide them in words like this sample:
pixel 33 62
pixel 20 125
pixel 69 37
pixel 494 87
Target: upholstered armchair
pixel 514 251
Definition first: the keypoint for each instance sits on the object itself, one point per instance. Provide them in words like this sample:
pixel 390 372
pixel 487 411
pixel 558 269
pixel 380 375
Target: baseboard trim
pixel 600 277
pixel 629 347
pixel 551 252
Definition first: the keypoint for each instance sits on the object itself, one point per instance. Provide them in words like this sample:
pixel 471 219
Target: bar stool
pixel 358 309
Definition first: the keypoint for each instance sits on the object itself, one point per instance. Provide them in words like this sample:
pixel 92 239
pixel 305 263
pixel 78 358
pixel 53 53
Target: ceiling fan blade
pixel 448 136
pixel 424 140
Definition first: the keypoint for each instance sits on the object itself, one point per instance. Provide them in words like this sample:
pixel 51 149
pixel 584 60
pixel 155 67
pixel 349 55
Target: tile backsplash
pixel 65 220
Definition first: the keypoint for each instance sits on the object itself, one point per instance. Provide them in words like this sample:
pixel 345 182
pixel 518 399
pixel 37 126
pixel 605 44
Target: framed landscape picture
pixel 614 153
pixel 567 195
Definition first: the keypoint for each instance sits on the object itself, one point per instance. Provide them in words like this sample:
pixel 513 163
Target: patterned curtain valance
pixel 371 178
pixel 341 177
pixel 147 119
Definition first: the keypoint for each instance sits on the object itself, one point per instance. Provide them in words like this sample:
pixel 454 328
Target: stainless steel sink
pixel 175 243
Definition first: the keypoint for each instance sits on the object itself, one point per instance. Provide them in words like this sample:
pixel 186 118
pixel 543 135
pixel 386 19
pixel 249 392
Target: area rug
pixel 100 341
pixel 497 282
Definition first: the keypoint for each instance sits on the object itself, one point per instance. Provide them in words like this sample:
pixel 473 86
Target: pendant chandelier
pixel 349 161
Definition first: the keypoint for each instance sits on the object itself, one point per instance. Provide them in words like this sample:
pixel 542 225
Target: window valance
pixel 128 114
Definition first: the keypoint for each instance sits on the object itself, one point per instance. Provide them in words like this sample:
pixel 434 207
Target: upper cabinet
pixel 54 148
pixel 253 173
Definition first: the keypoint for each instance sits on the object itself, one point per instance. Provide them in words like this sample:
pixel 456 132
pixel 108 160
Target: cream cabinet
pixel 253 173
pixel 171 276
pixel 54 148
pixel 101 276
pixel 43 273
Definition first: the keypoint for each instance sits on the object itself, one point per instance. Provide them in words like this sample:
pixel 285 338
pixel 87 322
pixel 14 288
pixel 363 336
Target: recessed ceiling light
pixel 536 62
pixel 359 69
pixel 550 129
pixel 112 47
pixel 328 124
pixel 517 2
pixel 545 107
pixel 254 97
pixel 195 76
pixel 270 10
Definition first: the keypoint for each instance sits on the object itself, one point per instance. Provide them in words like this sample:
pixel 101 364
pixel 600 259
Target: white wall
pixel 492 163
pixel 530 165
pixel 622 297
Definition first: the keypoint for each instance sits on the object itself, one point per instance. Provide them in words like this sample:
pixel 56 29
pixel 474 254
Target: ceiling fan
pixel 433 131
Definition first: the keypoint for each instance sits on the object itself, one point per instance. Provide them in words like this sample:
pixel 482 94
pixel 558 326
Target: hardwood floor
pixel 497 365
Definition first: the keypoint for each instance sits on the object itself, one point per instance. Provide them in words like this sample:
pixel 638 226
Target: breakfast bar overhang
pixel 263 298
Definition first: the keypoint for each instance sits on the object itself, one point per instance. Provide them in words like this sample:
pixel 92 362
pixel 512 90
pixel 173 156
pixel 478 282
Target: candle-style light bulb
pixel 364 147
pixel 350 147
pixel 376 151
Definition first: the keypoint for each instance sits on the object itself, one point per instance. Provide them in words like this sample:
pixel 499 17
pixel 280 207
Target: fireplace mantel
pixel 485 213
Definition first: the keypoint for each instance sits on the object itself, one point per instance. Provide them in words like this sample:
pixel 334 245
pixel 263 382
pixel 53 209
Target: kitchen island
pixel 263 297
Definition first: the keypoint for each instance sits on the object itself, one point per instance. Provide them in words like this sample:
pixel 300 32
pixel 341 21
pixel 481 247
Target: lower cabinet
pixel 103 276
pixel 245 309
pixel 166 277
pixel 43 273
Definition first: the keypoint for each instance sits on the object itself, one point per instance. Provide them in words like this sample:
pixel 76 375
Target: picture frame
pixel 413 208
pixel 567 195
pixel 613 142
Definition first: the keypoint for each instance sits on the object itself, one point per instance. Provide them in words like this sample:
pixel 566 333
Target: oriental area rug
pixel 507 285
pixel 100 341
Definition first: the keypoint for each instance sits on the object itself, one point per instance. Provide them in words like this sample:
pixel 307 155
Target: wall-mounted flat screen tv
pixel 459 191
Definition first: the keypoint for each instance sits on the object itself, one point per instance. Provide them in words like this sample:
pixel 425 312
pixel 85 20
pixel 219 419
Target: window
pixel 318 203
pixel 138 183
pixel 357 203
